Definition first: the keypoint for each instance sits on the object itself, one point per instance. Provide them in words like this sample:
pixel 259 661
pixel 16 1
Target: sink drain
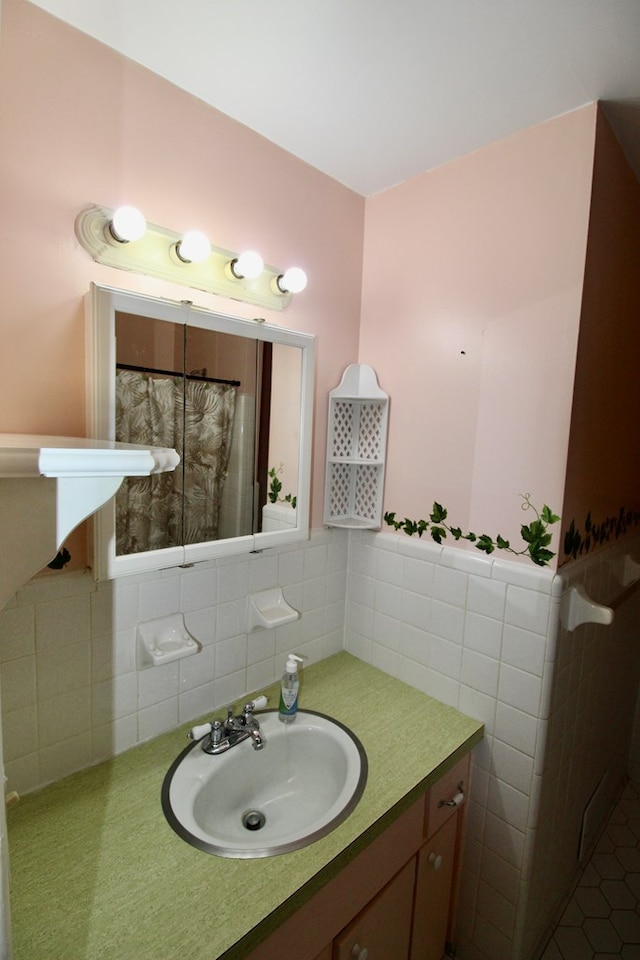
pixel 253 820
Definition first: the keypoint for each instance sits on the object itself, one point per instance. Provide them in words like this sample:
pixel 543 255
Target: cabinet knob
pixel 435 860
pixel 361 953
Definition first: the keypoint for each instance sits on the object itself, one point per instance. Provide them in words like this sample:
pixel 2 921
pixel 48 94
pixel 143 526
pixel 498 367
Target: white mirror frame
pixel 101 305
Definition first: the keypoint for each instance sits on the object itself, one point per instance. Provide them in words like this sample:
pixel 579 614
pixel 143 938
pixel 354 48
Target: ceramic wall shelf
pixel 163 640
pixel 269 609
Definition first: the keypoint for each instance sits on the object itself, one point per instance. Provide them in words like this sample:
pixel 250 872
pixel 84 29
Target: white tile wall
pixel 472 632
pixel 589 729
pixel 71 692
pixel 476 632
pixel 482 634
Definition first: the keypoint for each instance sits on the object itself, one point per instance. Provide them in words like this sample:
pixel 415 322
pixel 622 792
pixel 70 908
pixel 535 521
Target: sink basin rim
pixel 257 852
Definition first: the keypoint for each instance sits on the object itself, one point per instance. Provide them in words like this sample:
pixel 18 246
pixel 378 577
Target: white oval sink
pixel 247 803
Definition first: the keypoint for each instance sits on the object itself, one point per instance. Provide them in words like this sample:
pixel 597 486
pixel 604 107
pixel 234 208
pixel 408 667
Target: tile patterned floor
pixel 602 919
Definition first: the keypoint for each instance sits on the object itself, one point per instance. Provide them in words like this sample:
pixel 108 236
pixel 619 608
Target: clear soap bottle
pixel 289 688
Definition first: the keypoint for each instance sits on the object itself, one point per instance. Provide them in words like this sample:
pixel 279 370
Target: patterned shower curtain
pixel 196 418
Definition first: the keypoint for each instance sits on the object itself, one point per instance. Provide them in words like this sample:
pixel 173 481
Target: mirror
pixel 233 397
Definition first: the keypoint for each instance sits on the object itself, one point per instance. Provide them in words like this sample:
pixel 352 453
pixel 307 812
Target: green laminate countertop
pixel 98 873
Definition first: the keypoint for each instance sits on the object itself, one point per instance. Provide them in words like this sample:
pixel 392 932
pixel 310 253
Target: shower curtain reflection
pixel 195 418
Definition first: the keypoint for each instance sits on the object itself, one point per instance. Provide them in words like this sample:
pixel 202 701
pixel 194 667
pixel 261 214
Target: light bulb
pixel 249 264
pixel 127 224
pixel 194 247
pixel 293 280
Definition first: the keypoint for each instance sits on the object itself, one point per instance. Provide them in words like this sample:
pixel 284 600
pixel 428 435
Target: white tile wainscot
pixel 483 634
pixel 479 633
pixel 71 693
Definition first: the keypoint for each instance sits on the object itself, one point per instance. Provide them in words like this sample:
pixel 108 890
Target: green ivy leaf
pixel 502 543
pixel 456 532
pixel 485 543
pixel 527 533
pixel 438 513
pixel 540 556
pixel 548 516
pixel 438 534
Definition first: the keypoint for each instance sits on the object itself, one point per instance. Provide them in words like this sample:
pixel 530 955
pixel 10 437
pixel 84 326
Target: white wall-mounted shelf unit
pixel 48 485
pixel 356 450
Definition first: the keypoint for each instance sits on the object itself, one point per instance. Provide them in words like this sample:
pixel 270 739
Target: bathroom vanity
pixel 97 872
pixel 396 898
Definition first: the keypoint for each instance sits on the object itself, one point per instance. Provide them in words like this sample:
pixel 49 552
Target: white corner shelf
pixel 50 484
pixel 356 450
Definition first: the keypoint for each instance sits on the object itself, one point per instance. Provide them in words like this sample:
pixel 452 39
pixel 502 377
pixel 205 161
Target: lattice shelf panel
pixel 356 450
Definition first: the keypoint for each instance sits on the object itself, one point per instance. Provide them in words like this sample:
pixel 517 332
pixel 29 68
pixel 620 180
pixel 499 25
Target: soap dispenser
pixel 289 689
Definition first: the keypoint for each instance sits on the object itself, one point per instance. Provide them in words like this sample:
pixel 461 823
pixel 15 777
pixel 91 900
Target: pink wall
pixel 471 302
pixel 79 124
pixel 603 474
pixel 471 284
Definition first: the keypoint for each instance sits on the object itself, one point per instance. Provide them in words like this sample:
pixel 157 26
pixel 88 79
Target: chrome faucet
pixel 219 736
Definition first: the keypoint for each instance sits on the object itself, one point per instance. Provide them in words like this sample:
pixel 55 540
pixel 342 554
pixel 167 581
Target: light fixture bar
pixel 154 255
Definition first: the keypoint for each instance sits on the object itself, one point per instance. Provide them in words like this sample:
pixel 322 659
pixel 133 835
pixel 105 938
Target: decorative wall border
pixel 579 541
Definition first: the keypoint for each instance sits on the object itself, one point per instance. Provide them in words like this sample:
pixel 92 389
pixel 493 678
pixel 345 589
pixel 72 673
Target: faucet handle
pixel 258 704
pixel 199 731
pixel 247 711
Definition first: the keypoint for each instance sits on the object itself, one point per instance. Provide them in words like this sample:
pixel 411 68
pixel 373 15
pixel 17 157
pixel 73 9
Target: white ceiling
pixel 373 92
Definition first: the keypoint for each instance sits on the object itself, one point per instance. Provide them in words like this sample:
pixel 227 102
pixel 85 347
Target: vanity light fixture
pixel 127 225
pixel 193 248
pixel 293 280
pixel 108 236
pixel 248 265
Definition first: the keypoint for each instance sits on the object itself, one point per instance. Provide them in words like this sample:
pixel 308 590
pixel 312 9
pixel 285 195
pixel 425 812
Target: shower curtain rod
pixel 176 373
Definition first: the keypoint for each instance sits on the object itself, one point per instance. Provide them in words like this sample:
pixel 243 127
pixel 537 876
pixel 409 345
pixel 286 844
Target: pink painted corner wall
pixel 462 287
pixel 603 475
pixel 472 286
pixel 80 124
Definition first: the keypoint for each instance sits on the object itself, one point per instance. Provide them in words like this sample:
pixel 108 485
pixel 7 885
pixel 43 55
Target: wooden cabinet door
pixel 433 893
pixel 326 953
pixel 438 808
pixel 382 931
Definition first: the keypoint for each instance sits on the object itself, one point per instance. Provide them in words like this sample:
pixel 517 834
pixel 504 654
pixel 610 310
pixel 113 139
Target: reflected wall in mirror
pixel 233 397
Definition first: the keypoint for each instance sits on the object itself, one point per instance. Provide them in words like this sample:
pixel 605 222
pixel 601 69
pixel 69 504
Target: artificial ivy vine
pixel 275 489
pixel 535 534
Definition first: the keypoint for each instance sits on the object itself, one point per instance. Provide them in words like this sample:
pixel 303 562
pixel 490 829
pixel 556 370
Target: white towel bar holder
pixel 578 608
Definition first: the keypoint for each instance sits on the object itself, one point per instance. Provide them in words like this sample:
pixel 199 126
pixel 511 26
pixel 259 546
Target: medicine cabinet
pixel 356 450
pixel 233 397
